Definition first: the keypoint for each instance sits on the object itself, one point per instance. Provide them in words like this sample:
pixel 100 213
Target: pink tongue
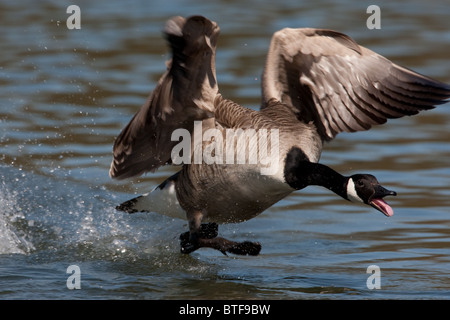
pixel 387 210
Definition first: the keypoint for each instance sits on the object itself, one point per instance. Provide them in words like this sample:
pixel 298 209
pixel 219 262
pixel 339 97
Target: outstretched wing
pixel 185 93
pixel 329 79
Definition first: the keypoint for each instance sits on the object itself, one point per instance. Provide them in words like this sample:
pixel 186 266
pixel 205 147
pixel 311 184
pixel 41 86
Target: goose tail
pixel 162 199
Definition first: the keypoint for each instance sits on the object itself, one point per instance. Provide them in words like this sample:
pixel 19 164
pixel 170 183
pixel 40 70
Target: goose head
pixel 365 188
pixel 299 173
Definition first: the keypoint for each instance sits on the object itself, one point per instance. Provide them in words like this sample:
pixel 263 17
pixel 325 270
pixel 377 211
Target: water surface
pixel 66 94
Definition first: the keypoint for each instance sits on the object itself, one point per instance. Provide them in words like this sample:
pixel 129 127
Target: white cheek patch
pixel 352 195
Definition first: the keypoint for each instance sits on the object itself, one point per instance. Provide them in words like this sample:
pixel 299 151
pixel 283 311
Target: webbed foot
pixel 189 243
pixel 207 238
pixel 245 248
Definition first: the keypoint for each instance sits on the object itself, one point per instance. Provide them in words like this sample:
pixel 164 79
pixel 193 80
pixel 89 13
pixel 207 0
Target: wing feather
pixel 185 93
pixel 327 78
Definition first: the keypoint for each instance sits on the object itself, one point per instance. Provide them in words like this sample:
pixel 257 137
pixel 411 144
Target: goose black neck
pixel 299 173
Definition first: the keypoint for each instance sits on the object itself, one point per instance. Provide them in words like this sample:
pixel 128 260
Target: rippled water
pixel 66 94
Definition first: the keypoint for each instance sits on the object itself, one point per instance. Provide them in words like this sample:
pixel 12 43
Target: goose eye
pixel 360 183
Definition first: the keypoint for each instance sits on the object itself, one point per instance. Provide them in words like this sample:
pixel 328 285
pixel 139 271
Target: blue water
pixel 66 94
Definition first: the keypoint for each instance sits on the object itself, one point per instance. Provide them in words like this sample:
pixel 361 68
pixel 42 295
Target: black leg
pixel 189 241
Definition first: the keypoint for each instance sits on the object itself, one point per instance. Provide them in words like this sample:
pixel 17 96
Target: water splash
pixel 58 219
pixel 12 239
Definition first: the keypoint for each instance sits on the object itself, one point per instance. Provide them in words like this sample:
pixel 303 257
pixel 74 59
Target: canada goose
pixel 316 84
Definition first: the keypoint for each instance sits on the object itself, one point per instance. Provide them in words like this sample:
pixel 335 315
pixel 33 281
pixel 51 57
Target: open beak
pixel 378 203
